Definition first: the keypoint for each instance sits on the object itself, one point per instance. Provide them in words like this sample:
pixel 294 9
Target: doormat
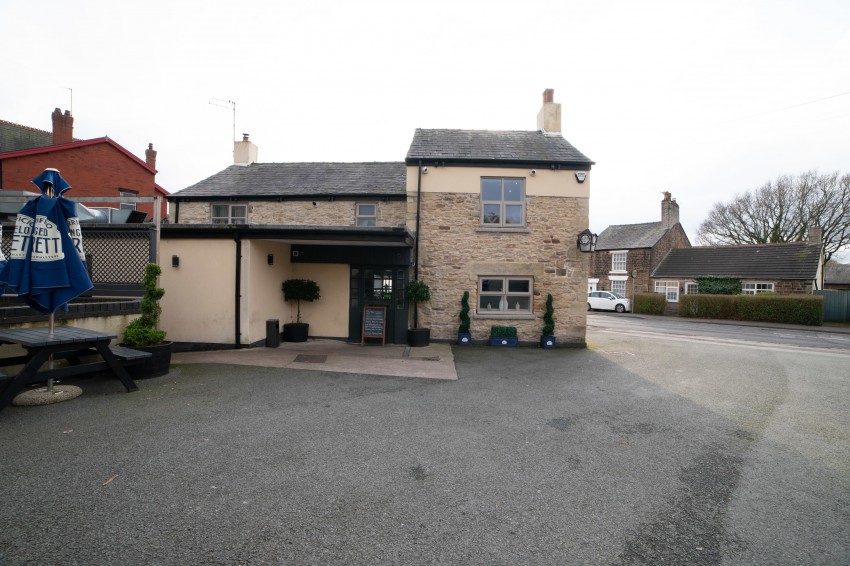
pixel 311 358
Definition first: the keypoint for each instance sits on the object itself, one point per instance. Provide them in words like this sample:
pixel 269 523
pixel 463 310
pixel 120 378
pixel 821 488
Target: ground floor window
pixel 756 288
pixel 619 287
pixel 670 289
pixel 691 288
pixel 504 295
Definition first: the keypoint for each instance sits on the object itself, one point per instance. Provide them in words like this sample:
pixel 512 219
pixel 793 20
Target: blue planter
pixel 464 338
pixel 503 341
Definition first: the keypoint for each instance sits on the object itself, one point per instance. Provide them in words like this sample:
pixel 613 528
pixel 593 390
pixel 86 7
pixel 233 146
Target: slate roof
pixel 14 137
pixel 270 180
pixel 791 260
pixel 835 273
pixel 489 146
pixel 630 236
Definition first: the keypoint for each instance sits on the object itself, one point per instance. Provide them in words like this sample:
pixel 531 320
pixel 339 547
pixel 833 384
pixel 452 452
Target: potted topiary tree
pixel 547 340
pixel 298 290
pixel 418 292
pixel 464 338
pixel 143 333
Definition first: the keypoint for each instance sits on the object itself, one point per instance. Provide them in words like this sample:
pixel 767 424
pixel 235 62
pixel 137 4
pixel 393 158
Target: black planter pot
pixel 464 338
pixel 418 337
pixel 548 342
pixel 157 365
pixel 295 332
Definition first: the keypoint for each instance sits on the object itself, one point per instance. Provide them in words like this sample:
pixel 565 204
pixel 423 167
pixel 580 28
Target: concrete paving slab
pixel 434 361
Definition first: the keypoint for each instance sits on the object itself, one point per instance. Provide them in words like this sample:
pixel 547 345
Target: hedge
pixel 790 309
pixel 649 303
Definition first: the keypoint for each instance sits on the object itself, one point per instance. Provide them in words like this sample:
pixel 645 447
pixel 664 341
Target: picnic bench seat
pixel 129 355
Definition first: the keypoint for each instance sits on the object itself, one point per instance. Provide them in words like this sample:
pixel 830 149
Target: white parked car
pixel 608 301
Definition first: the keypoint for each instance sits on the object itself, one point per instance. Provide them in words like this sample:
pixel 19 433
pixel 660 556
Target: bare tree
pixel 783 210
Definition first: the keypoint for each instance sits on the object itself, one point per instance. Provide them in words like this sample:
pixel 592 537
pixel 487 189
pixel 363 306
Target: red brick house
pixel 626 254
pixel 97 167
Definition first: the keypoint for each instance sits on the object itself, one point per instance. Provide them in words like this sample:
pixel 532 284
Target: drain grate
pixel 311 358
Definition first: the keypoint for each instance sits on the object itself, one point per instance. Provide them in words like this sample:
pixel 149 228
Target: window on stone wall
pixel 756 288
pixel 229 214
pixel 367 214
pixel 505 295
pixel 618 262
pixel 502 202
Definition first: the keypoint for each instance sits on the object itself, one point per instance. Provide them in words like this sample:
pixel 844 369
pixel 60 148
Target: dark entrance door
pixel 378 286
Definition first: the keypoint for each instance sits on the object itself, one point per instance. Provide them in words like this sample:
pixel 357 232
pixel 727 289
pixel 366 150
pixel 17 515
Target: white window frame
pixel 232 214
pixel 618 286
pixel 122 193
pixel 365 220
pixel 756 287
pixel 618 261
pixel 670 290
pixel 502 203
pixel 691 288
pixel 499 301
pixel 592 284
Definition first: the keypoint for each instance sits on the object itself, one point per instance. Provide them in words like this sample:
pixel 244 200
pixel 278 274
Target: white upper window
pixel 367 214
pixel 618 262
pixel 229 214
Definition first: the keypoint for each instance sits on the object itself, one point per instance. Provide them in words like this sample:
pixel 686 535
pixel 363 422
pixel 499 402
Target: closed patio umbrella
pixel 46 266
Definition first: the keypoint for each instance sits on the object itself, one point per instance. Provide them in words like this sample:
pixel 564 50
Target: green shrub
pixel 548 319
pixel 649 303
pixel 143 331
pixel 503 331
pixel 718 285
pixel 790 309
pixel 300 290
pixel 464 314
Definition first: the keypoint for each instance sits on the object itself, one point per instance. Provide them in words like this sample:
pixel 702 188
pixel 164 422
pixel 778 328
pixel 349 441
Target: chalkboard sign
pixel 374 323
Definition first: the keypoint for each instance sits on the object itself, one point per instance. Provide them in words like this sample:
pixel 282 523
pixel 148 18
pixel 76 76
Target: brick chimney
pixel 549 117
pixel 150 156
pixel 815 235
pixel 669 211
pixel 63 127
pixel 244 152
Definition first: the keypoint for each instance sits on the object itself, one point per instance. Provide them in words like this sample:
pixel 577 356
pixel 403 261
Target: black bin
pixel 272 333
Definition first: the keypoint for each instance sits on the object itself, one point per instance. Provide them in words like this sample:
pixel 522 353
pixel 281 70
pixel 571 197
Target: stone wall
pixel 455 251
pixel 301 213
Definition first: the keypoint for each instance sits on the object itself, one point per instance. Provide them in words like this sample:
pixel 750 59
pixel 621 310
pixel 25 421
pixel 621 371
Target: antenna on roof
pixel 71 109
pixel 228 104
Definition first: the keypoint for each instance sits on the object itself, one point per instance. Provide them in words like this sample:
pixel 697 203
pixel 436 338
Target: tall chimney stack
pixel 549 117
pixel 244 152
pixel 669 211
pixel 150 156
pixel 63 127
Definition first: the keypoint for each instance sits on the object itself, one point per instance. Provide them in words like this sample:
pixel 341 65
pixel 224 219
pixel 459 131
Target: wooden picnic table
pixel 63 343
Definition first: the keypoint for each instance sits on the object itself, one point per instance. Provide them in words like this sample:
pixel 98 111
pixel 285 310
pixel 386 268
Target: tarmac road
pixel 635 451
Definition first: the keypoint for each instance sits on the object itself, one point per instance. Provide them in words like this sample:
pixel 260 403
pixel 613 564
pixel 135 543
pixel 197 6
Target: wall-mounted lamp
pixel 581 176
pixel 586 241
pixel 175 261
pixel 270 259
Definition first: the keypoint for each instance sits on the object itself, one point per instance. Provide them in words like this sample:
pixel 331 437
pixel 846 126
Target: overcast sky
pixel 702 99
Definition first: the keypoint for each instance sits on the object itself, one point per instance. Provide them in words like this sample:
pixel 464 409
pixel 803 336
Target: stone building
pixel 626 254
pixel 494 213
